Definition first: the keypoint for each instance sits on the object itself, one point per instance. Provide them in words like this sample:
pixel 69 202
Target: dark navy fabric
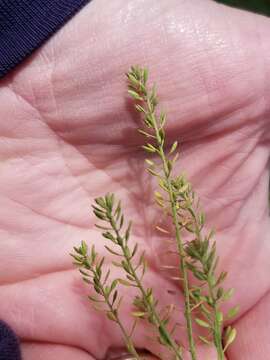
pixel 26 24
pixel 9 343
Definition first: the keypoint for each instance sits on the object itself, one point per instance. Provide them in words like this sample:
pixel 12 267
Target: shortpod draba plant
pixel 197 257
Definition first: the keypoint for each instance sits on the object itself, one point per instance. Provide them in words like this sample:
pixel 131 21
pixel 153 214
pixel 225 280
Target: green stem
pixel 180 247
pixel 151 307
pixel 218 337
pixel 217 326
pixel 128 341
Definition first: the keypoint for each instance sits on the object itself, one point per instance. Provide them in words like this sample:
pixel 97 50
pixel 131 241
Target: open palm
pixel 68 135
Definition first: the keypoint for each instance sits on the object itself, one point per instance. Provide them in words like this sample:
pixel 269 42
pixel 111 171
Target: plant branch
pixel 112 214
pixel 137 89
pixel 91 269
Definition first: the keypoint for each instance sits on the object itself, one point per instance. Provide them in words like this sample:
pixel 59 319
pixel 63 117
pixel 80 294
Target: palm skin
pixel 68 134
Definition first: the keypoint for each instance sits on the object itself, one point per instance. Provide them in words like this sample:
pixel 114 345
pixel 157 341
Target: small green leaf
pixel 149 148
pixel 139 314
pixel 139 108
pixel 173 147
pixel 111 316
pixel 149 121
pixel 219 317
pixel 114 296
pixel 99 266
pixel 107 276
pixel 97 289
pixel 161 134
pixel 93 254
pixel 142 132
pixel 211 280
pixel 202 218
pixel 127 233
pixel 200 275
pixel 84 248
pixel 231 335
pixel 127 252
pixel 117 264
pixel 202 323
pixel 233 312
pixel 109 199
pixel 100 215
pixel 125 266
pixel 107 290
pixel 84 273
pixel 145 75
pixel 94 299
pixel 135 95
pixel 77 250
pixel 87 281
pixel 101 202
pixel 125 282
pixel 77 258
pixel 228 294
pixel 112 251
pixel 134 250
pixel 132 79
pixel 121 224
pixel 114 284
pixel 149 162
pixel 152 172
pixel 169 165
pixel 162 119
pixel 221 278
pixel 183 188
pixel 117 211
pixel 220 293
pixel 175 158
pixel 164 337
pixel 150 298
pixel 108 235
pixel 211 234
pixel 204 340
pixel 163 184
pixel 129 277
pixel 102 227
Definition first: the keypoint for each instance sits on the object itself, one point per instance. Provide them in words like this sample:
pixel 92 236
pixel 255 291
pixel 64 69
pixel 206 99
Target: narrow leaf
pixel 204 340
pixel 164 337
pixel 173 147
pixel 139 314
pixel 125 282
pixel 228 294
pixel 149 148
pixel 230 338
pixel 112 251
pixel 202 323
pixel 111 316
pixel 135 95
pixel 233 312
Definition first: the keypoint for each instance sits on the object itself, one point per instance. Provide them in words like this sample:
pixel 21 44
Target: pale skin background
pixel 68 135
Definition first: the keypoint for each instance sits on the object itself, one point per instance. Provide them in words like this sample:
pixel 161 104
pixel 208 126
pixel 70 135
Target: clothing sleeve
pixel 9 343
pixel 27 24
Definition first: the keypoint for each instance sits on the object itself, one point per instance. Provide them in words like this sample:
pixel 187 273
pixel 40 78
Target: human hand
pixel 69 135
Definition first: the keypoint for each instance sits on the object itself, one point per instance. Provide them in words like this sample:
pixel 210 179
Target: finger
pixel 253 329
pixel 34 351
pixel 122 354
pixel 54 308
